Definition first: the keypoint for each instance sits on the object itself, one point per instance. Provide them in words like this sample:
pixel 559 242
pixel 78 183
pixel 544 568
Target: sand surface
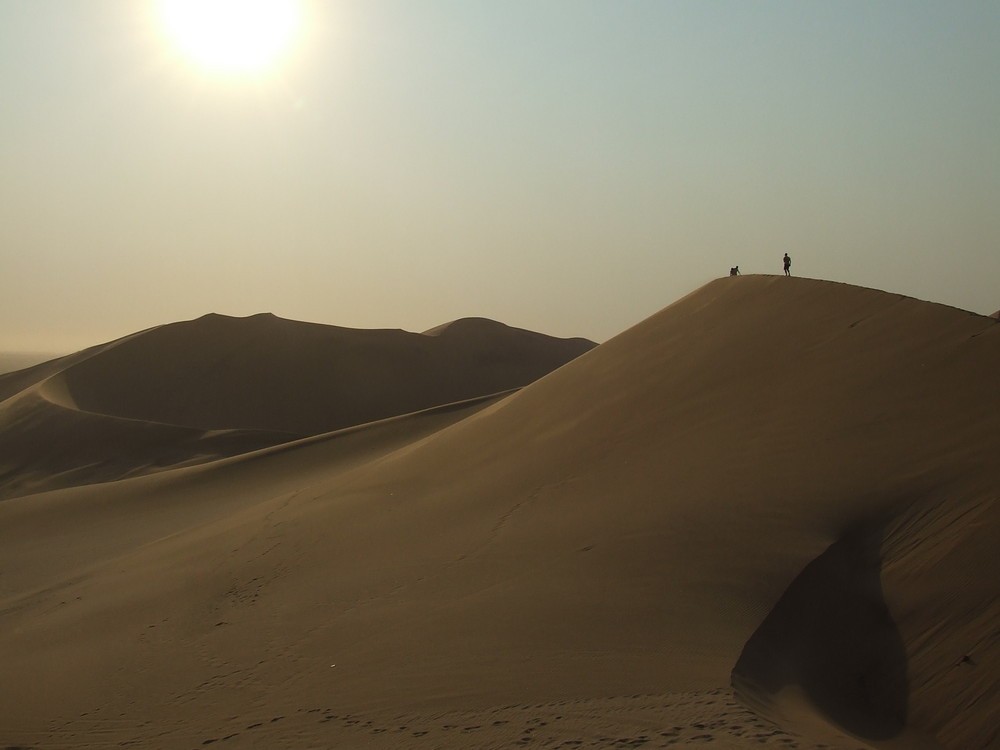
pixel 766 516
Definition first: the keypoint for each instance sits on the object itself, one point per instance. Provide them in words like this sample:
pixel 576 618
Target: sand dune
pixel 10 361
pixel 764 516
pixel 219 386
pixel 267 373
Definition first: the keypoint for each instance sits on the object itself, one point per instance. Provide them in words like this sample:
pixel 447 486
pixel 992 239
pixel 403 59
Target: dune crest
pixel 765 493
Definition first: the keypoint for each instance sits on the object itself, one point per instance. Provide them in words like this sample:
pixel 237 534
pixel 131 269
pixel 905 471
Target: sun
pixel 232 36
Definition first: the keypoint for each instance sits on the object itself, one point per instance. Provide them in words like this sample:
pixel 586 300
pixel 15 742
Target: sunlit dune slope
pixel 792 479
pixel 219 386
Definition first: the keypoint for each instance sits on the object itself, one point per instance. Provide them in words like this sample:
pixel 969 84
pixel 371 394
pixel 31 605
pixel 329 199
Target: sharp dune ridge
pixel 764 516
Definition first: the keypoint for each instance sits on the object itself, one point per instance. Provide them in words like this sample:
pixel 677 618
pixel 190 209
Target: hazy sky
pixel 568 166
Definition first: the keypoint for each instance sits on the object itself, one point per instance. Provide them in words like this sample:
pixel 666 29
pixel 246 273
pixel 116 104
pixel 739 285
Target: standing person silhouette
pixel 788 265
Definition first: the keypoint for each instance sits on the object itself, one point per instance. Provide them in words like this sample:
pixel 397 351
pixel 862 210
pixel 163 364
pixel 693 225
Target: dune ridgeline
pixel 765 516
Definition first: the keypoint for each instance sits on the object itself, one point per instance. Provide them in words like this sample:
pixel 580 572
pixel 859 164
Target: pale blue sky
pixel 568 166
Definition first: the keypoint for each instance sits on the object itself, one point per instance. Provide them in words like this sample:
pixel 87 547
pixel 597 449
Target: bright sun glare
pixel 232 36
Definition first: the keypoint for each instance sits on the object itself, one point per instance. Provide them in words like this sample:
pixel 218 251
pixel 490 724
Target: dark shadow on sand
pixel 831 634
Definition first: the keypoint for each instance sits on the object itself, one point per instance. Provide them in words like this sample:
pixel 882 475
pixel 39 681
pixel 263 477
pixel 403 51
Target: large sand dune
pixel 219 386
pixel 765 516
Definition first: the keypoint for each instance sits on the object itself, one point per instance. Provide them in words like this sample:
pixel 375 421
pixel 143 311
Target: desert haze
pixel 765 516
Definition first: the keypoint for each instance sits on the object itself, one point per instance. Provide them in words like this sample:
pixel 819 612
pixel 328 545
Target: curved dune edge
pixel 588 558
pixel 48 443
pixel 830 656
pixel 889 636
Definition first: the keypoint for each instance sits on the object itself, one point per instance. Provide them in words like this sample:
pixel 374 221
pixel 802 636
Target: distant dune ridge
pixel 765 516
pixel 11 361
pixel 219 386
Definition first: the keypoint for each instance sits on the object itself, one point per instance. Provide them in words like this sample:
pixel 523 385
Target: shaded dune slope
pixel 47 443
pixel 795 480
pixel 268 373
pixel 220 386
